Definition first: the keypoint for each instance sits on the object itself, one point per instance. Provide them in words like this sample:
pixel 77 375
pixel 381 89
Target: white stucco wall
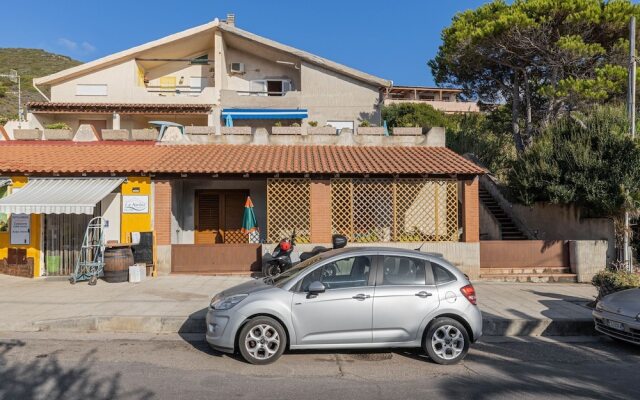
pixel 330 96
pixel 256 67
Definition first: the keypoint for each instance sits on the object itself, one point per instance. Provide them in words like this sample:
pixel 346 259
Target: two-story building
pixel 446 100
pixel 231 101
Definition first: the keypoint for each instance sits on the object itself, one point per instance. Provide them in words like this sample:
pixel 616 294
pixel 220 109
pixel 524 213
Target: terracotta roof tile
pixel 131 157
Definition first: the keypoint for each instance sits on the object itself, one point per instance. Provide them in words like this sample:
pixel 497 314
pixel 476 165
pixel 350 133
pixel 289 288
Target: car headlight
pixel 638 317
pixel 598 306
pixel 227 302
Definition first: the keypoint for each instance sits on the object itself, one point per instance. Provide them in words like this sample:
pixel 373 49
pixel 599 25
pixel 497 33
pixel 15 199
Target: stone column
pixel 470 211
pixel 162 209
pixel 115 121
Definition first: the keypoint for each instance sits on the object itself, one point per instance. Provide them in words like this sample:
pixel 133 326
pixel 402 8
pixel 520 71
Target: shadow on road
pixel 45 377
pixel 518 370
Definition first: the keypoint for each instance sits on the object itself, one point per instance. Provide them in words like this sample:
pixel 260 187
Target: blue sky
pixel 391 39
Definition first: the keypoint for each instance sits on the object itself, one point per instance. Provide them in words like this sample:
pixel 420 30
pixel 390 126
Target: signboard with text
pixel 20 229
pixel 135 204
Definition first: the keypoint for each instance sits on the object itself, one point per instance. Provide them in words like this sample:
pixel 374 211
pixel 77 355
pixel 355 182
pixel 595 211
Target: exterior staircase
pixel 508 229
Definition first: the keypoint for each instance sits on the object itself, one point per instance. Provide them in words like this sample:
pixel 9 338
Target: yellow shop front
pixel 43 219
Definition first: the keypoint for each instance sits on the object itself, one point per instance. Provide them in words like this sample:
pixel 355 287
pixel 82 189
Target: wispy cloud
pixel 88 47
pixel 73 46
pixel 68 44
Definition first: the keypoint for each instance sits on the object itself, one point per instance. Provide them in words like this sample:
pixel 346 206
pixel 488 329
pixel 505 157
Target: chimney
pixel 231 19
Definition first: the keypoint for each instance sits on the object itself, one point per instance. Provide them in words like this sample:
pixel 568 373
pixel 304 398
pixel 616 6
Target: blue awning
pixel 264 113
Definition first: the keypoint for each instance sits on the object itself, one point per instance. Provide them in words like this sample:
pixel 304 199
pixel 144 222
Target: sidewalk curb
pixel 176 324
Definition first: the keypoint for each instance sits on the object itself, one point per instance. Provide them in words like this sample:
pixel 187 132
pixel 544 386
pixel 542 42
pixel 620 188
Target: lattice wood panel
pixel 288 209
pixel 404 210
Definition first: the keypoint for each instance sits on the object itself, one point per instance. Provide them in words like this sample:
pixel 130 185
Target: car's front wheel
pixel 262 341
pixel 446 341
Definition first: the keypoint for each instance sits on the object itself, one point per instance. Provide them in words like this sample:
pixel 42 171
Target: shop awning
pixel 264 113
pixel 59 195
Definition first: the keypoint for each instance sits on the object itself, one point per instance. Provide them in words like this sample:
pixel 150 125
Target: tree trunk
pixel 515 113
pixel 528 123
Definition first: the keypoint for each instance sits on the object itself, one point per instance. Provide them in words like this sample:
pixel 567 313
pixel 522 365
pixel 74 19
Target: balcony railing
pixel 253 99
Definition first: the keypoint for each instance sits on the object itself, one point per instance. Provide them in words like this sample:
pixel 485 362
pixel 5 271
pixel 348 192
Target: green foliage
pixel 614 280
pixel 364 123
pixel 3 91
pixel 3 120
pixel 277 123
pixel 586 159
pixel 486 136
pixel 414 115
pixel 57 125
pixel 313 123
pixel 296 124
pixel 548 57
pixel 30 63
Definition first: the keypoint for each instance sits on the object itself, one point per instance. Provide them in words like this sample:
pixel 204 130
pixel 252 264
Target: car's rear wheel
pixel 446 341
pixel 262 341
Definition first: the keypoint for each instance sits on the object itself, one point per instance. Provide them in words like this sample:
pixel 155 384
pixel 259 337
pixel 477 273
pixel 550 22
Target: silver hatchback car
pixel 351 298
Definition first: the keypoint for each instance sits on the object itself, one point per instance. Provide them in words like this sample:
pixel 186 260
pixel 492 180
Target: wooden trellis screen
pixel 288 209
pixel 398 210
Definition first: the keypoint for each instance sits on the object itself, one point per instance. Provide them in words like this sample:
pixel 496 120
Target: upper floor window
pixel 270 87
pixel 91 90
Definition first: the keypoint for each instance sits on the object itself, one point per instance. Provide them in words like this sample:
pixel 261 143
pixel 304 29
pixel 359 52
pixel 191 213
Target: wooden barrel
pixel 117 261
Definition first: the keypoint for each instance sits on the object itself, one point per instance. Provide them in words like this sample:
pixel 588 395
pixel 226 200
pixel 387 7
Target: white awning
pixel 59 195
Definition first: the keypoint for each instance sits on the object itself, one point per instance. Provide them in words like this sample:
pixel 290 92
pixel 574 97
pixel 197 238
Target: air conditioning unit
pixel 237 68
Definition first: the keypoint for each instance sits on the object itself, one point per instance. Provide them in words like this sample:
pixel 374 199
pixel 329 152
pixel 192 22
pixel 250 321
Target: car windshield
pixel 293 273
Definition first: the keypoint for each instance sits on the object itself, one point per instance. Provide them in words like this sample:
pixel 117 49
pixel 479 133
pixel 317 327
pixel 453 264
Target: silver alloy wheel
pixel 447 342
pixel 262 341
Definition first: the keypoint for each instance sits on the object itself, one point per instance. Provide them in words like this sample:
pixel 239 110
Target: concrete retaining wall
pixel 587 257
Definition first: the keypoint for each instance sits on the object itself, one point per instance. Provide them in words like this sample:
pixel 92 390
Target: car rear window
pixel 441 274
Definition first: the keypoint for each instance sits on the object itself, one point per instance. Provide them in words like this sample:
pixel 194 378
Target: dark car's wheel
pixel 262 341
pixel 272 269
pixel 446 341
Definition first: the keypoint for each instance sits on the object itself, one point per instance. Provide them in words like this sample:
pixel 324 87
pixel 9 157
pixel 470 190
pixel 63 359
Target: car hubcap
pixel 262 341
pixel 447 342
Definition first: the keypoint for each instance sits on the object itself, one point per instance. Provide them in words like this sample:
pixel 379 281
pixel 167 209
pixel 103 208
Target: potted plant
pixel 149 133
pixel 115 134
pixel 27 134
pixel 235 130
pixel 407 130
pixel 293 129
pixel 365 128
pixel 314 129
pixel 58 131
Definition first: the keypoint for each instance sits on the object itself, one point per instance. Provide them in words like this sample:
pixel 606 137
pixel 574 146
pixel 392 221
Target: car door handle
pixel 361 296
pixel 423 294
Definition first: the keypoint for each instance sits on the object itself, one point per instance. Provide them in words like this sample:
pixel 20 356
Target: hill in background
pixel 30 63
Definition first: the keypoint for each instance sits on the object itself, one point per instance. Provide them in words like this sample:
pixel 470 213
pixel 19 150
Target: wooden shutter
pixel 208 219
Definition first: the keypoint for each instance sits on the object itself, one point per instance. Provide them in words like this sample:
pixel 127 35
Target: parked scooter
pixel 280 259
pixel 337 241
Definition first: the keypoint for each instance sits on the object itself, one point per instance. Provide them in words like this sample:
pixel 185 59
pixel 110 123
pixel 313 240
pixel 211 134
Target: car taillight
pixel 470 293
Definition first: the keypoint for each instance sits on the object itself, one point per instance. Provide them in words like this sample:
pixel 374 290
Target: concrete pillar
pixel 115 121
pixel 214 118
pixel 470 211
pixel 320 209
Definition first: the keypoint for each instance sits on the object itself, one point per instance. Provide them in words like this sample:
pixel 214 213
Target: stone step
pixel 529 278
pixel 525 270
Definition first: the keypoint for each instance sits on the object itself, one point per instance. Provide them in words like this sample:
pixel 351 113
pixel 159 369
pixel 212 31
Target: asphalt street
pixel 171 367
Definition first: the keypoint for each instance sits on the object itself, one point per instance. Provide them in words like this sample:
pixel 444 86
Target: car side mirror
pixel 316 288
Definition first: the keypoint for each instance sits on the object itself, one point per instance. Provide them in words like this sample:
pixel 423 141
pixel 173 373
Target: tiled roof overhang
pixel 42 158
pixel 123 108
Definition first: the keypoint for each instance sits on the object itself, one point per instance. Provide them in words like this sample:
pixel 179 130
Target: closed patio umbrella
pixel 249 222
pixel 229 121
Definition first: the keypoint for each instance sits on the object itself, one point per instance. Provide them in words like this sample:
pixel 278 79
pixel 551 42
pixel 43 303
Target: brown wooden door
pixel 218 216
pixel 207 218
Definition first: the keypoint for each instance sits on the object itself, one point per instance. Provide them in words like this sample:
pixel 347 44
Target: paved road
pixel 101 367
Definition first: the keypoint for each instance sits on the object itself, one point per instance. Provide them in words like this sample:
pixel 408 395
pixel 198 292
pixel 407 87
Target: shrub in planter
pixel 614 280
pixel 58 131
pixel 313 124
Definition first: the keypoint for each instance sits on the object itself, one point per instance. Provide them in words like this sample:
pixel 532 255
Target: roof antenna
pixel 420 248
